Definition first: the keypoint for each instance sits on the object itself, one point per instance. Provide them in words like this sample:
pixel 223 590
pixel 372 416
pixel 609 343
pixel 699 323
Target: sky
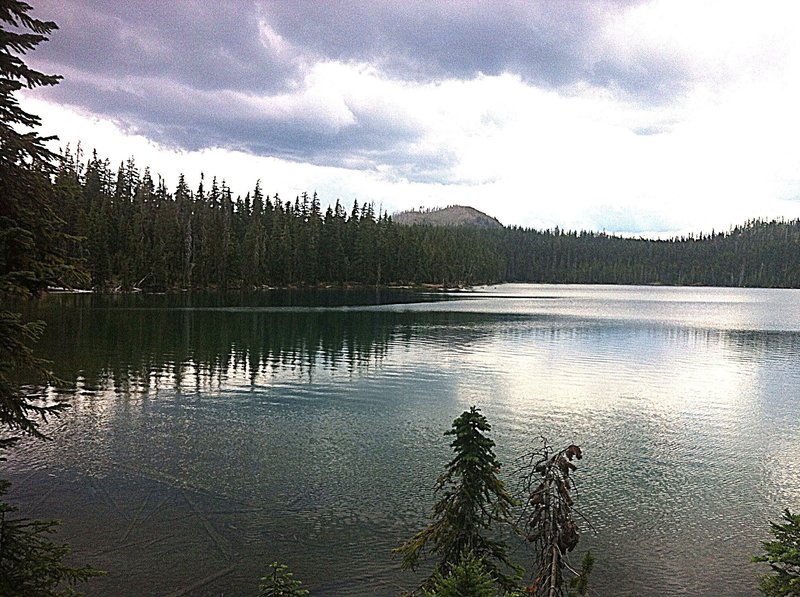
pixel 648 118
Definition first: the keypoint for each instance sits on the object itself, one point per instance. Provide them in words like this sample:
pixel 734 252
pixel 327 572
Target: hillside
pixel 455 215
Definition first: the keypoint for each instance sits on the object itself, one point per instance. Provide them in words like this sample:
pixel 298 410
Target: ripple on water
pixel 315 436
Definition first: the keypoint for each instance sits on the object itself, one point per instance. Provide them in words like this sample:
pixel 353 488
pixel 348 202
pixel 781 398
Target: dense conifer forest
pixel 130 231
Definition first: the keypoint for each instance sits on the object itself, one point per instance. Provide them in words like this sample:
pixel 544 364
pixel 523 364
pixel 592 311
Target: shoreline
pixel 305 287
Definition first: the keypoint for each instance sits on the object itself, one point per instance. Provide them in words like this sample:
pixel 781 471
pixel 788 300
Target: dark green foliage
pixel 580 583
pixel 32 245
pixel 783 557
pixel 21 411
pixel 466 579
pixel 20 33
pixel 279 582
pixel 32 251
pixel 31 564
pixel 474 500
pixel 139 234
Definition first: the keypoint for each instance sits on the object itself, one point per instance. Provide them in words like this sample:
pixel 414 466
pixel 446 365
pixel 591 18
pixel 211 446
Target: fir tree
pixel 467 579
pixel 31 258
pixel 783 557
pixel 31 564
pixel 279 582
pixel 31 243
pixel 474 500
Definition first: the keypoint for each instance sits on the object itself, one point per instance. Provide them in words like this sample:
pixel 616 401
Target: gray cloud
pixel 179 117
pixel 207 45
pixel 549 43
pixel 185 73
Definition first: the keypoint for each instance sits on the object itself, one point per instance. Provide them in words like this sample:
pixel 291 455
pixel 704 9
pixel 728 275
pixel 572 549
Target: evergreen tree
pixel 279 582
pixel 253 241
pixel 783 556
pixel 135 234
pixel 474 500
pixel 31 564
pixel 97 230
pixel 31 242
pixel 183 211
pixel 31 258
pixel 467 579
pixel 20 34
pixel 581 582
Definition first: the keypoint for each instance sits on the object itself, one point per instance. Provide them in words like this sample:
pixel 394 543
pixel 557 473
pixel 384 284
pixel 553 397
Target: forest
pixel 129 231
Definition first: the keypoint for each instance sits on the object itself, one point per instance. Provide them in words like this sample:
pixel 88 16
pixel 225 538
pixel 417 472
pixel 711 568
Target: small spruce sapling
pixel 31 564
pixel 468 578
pixel 783 557
pixel 279 582
pixel 474 501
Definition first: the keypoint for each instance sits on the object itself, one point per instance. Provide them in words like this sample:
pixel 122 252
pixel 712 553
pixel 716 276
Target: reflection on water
pixel 223 433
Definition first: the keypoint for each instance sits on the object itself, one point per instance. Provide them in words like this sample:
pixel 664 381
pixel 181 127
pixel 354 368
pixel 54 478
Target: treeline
pixel 755 254
pixel 130 231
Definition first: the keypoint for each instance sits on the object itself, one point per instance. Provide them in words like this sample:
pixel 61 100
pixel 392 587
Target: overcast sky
pixel 637 117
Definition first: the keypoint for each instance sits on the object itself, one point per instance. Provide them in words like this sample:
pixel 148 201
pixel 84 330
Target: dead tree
pixel 546 520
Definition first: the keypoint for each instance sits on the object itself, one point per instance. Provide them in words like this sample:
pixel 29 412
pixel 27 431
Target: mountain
pixel 455 215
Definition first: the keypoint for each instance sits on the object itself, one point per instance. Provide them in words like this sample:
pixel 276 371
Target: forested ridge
pixel 130 231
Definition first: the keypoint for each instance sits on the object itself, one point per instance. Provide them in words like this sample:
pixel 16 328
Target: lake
pixel 213 434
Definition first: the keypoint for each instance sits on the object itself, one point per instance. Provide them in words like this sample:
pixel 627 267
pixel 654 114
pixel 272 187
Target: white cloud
pixel 582 156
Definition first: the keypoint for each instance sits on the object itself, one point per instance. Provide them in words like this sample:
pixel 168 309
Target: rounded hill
pixel 454 215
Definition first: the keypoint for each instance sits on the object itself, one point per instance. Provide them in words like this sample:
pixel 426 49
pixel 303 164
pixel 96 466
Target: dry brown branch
pixel 546 490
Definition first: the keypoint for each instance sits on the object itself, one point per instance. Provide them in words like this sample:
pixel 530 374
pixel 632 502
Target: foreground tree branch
pixel 32 257
pixel 546 519
pixel 783 556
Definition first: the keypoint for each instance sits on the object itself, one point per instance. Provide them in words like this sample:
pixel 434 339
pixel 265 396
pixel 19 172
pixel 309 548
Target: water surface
pixel 213 434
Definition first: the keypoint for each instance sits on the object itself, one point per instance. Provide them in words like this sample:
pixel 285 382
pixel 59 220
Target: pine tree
pixel 31 243
pixel 31 564
pixel 20 34
pixel 783 557
pixel 279 582
pixel 474 500
pixel 467 579
pixel 31 258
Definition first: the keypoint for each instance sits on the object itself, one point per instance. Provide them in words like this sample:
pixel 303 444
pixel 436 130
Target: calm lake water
pixel 211 435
